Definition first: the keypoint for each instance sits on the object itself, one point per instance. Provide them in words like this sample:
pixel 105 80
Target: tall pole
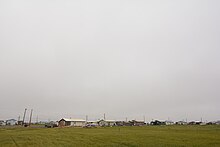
pixel 30 117
pixel 86 118
pixel 104 116
pixel 24 116
pixel 37 119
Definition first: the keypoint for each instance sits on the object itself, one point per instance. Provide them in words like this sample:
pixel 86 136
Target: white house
pixel 72 122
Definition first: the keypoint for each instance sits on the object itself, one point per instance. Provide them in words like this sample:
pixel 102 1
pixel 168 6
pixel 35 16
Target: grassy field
pixel 113 136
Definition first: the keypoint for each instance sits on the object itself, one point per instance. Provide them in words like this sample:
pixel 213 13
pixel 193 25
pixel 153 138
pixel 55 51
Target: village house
pixel 123 123
pixel 107 123
pixel 72 122
pixel 119 123
pixel 127 123
pixel 217 122
pixel 191 123
pixel 2 123
pixel 137 123
pixel 169 122
pixel 157 122
pixel 181 123
pixel 11 122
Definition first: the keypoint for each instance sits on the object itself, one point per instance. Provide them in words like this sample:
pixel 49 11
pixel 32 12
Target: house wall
pixel 71 123
pixel 78 124
pixel 62 123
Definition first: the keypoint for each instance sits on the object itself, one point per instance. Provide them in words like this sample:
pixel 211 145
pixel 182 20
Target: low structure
pixel 157 122
pixel 123 123
pixel 210 123
pixel 51 124
pixel 107 123
pixel 195 123
pixel 169 122
pixel 20 122
pixel 137 123
pixel 181 123
pixel 72 122
pixel 92 123
pixel 119 123
pixel 198 122
pixel 2 123
pixel 11 122
pixel 217 122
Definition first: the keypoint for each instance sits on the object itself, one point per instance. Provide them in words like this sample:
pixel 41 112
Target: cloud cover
pixel 125 58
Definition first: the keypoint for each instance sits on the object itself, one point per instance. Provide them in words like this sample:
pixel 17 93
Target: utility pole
pixel 37 119
pixel 104 116
pixel 30 117
pixel 24 116
pixel 86 118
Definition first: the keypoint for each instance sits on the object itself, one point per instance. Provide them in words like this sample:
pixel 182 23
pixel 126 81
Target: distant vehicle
pixel 51 124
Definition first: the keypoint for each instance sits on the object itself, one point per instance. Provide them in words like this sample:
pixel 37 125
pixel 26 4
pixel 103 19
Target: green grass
pixel 197 136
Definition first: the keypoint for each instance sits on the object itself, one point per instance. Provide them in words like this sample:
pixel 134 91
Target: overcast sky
pixel 125 58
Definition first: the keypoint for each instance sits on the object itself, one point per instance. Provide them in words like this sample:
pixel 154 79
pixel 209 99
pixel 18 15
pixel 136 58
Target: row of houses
pixel 102 122
pixel 168 122
pixel 80 123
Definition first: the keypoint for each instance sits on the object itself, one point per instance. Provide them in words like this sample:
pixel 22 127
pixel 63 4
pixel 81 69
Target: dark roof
pixel 11 120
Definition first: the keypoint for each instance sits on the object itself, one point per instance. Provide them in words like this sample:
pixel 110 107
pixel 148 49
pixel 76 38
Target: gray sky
pixel 125 58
